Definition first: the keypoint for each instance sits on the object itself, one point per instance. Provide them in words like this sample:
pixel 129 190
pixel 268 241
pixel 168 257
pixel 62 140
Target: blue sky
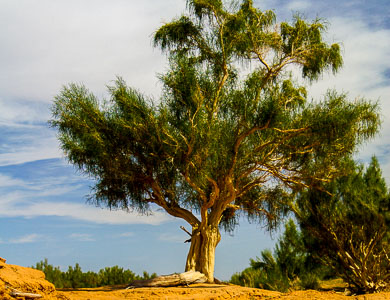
pixel 46 44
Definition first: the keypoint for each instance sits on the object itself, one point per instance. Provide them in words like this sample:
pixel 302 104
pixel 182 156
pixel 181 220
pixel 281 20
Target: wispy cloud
pixel 39 151
pixel 23 112
pixel 46 194
pixel 83 212
pixel 126 234
pixel 30 238
pixel 298 5
pixel 82 237
pixel 43 185
pixel 366 59
pixel 8 181
pixel 26 143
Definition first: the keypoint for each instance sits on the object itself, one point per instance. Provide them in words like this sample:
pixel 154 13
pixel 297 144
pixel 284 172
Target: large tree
pixel 233 133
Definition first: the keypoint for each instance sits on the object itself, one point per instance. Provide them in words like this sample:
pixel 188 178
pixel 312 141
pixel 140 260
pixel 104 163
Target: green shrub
pixel 75 278
pixel 309 281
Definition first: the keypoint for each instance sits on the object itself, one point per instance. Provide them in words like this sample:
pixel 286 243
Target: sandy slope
pixel 33 281
pixel 26 280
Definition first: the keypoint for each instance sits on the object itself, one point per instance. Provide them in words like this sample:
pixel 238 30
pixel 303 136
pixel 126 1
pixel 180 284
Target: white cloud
pixel 40 197
pixel 13 206
pixel 386 171
pixel 366 58
pixel 82 237
pixel 30 238
pixel 41 150
pixel 298 5
pixel 8 181
pixel 21 144
pixel 46 44
pixel 93 214
pixel 23 112
pixel 37 187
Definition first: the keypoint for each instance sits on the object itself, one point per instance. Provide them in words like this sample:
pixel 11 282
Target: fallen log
pixel 16 293
pixel 185 278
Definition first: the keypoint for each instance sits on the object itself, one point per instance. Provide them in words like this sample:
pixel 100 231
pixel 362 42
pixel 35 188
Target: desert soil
pixel 210 291
pixel 28 280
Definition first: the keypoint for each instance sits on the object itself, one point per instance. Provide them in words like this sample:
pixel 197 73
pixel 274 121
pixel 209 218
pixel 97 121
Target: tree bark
pixel 201 256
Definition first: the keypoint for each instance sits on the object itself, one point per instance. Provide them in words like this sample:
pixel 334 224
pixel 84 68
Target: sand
pixel 29 280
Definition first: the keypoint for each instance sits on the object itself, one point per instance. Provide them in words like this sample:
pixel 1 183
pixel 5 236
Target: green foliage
pixel 348 227
pixel 248 277
pixel 290 267
pixel 74 277
pixel 309 281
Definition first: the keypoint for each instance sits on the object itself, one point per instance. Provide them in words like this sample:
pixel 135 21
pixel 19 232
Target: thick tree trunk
pixel 201 256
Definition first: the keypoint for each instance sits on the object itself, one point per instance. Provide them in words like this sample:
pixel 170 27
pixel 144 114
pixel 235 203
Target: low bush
pixel 74 277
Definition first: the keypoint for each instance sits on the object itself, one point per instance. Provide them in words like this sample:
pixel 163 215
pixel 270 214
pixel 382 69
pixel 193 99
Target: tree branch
pixel 238 142
pixel 172 209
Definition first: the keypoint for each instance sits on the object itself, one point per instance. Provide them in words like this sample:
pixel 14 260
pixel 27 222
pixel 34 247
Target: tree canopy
pixel 222 141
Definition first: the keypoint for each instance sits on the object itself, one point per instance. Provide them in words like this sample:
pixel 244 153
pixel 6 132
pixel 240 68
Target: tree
pixel 348 227
pixel 52 274
pixel 74 276
pixel 219 143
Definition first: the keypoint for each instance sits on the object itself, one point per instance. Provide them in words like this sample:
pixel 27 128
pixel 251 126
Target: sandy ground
pixel 206 291
pixel 195 291
pixel 28 280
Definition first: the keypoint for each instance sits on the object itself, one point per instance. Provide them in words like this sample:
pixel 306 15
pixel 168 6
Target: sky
pixel 46 44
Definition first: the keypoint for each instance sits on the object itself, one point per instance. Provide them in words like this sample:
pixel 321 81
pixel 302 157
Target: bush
pixel 74 277
pixel 309 281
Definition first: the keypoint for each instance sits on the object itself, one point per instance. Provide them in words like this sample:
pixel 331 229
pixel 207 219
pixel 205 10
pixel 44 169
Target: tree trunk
pixel 201 256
